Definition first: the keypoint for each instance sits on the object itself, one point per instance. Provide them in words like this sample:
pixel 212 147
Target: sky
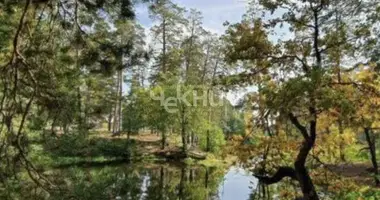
pixel 215 13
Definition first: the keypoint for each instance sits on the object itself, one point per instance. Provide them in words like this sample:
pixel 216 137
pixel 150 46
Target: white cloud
pixel 215 12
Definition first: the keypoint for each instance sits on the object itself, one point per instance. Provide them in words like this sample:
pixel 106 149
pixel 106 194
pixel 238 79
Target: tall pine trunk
pixel 120 99
pixel 183 129
pixel 164 46
pixel 115 109
pixel 116 127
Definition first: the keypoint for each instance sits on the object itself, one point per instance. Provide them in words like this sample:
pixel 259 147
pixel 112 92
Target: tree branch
pixel 281 173
pixel 18 31
pixel 316 39
pixel 299 126
pixel 305 66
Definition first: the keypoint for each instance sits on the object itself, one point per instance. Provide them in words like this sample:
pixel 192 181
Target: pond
pixel 237 184
pixel 154 181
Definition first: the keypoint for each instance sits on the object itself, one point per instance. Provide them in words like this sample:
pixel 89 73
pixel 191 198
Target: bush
pixel 68 145
pixel 114 148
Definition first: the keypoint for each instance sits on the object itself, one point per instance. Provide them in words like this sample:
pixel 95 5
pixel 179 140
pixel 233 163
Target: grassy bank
pixel 100 149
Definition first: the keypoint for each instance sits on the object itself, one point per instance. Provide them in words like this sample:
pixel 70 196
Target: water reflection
pixel 152 182
pixel 237 184
pixel 145 182
pixel 149 182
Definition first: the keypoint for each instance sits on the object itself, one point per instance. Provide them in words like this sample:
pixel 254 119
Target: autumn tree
pixel 297 70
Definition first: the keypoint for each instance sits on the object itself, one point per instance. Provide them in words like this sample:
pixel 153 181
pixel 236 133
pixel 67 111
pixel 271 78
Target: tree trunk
pixel 164 46
pixel 65 128
pixel 183 130
pixel 120 100
pixel 181 194
pixel 206 177
pixel 192 138
pixel 302 174
pixel 205 64
pixel 115 109
pixel 341 142
pixel 162 182
pixel 189 140
pixel 208 145
pixel 299 173
pixel 163 140
pixel 184 142
pixel 109 122
pixel 372 150
pixel 191 175
pixel 129 135
pixel 79 99
pixel 53 124
pixel 86 122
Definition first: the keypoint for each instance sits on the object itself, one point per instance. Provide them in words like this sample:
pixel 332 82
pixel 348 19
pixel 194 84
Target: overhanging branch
pixel 281 173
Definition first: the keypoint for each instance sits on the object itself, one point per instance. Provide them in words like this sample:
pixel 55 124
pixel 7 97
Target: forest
pixel 96 104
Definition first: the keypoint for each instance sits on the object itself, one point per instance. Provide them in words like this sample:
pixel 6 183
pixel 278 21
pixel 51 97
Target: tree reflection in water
pixel 148 182
pixel 152 182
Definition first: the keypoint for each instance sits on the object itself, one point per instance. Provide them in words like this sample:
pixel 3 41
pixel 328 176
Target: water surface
pixel 237 184
pixel 154 182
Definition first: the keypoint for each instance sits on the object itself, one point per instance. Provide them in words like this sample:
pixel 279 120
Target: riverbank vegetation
pixel 85 85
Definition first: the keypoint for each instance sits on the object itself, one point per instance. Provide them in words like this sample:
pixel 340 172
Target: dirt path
pixel 359 172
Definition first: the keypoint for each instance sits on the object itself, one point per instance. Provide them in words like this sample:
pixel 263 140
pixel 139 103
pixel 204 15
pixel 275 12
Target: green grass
pixel 355 153
pixel 217 161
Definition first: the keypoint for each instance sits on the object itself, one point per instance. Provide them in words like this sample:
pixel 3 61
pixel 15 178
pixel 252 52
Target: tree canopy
pixel 77 76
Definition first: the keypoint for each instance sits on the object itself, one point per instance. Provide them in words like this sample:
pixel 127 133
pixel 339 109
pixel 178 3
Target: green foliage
pixel 78 145
pixel 213 133
pixel 135 116
pixel 232 120
pixel 63 66
pixel 365 193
